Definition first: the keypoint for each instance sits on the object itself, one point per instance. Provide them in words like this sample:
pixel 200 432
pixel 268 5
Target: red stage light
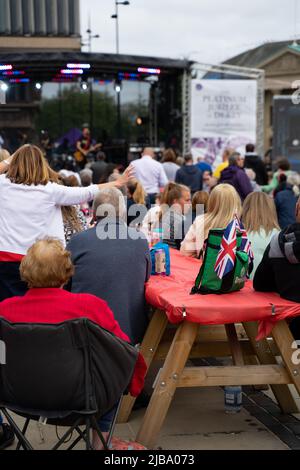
pixel 150 71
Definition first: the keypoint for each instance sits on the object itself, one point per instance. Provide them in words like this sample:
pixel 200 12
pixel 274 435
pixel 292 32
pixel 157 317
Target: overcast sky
pixel 207 30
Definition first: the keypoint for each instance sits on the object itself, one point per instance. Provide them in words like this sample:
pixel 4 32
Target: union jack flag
pixel 226 258
pixel 246 244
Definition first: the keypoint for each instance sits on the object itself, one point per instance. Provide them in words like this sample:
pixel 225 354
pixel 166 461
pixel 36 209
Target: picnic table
pixel 249 326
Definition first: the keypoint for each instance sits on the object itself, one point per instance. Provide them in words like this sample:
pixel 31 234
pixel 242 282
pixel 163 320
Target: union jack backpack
pixel 227 261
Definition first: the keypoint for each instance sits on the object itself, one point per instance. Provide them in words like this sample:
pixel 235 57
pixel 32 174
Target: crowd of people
pixel 77 242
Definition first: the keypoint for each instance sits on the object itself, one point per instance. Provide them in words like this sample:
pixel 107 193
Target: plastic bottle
pixel 233 399
pixel 157 236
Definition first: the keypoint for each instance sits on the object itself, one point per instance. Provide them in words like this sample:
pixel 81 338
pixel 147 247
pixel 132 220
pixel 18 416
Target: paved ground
pixel 196 421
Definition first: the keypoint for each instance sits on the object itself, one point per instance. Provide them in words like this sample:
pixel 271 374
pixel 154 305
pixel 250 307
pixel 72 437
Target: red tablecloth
pixel 172 294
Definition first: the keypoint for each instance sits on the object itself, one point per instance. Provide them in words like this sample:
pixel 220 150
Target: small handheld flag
pixel 226 258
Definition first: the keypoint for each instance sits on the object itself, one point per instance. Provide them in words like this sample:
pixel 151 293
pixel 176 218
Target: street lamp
pixel 3 89
pixel 85 86
pixel 118 88
pixel 118 85
pixel 116 17
pixel 91 36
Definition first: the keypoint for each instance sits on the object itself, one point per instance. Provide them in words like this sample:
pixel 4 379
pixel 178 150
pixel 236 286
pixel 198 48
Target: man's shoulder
pixel 82 237
pixel 99 164
pixel 253 156
pixel 222 165
pixel 274 250
pixel 156 163
pixel 241 172
pixel 136 236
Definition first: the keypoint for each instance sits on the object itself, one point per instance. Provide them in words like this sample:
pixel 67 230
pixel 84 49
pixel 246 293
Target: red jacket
pixel 57 305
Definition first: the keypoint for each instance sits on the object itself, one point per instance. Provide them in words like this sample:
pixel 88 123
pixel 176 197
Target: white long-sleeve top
pixel 29 213
pixel 194 239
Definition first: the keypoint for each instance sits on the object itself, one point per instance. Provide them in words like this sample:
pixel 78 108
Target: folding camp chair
pixel 67 374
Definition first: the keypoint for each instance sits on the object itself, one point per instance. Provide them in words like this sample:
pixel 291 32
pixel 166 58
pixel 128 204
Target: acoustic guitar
pixel 80 154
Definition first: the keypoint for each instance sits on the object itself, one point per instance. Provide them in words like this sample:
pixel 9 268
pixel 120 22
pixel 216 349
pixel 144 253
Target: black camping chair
pixel 67 374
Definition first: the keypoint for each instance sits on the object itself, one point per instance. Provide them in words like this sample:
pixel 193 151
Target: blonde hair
pixel 4 154
pixel 259 213
pixel 137 191
pixel 227 153
pixel 294 180
pixel 224 205
pixel 29 166
pixel 46 265
pixel 71 217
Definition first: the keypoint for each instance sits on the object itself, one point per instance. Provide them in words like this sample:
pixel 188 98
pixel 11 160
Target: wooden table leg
pixel 148 349
pixel 284 340
pixel 264 354
pixel 167 383
pixel 235 347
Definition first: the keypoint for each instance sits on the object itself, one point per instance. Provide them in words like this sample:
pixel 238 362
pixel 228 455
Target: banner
pixel 223 115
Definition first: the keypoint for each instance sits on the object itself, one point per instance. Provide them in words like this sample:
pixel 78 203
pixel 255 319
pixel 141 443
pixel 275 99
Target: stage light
pixel 4 87
pixel 79 66
pixel 38 86
pixel 71 72
pixel 10 73
pixel 118 86
pixel 142 120
pixel 128 76
pixel 150 71
pixel 6 67
pixel 19 80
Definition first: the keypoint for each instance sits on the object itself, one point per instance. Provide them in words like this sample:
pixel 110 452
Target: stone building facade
pixel 281 63
pixel 33 26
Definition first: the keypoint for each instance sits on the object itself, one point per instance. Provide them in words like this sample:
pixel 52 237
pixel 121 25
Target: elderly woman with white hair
pixel 112 261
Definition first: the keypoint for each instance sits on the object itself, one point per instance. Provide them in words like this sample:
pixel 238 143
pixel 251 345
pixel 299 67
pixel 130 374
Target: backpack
pixel 221 273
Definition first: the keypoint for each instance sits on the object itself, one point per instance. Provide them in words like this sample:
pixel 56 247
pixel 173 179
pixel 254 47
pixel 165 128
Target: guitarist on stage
pixel 84 147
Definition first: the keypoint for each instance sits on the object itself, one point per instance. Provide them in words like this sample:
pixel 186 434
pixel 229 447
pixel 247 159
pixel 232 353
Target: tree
pixel 60 114
pixel 72 109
